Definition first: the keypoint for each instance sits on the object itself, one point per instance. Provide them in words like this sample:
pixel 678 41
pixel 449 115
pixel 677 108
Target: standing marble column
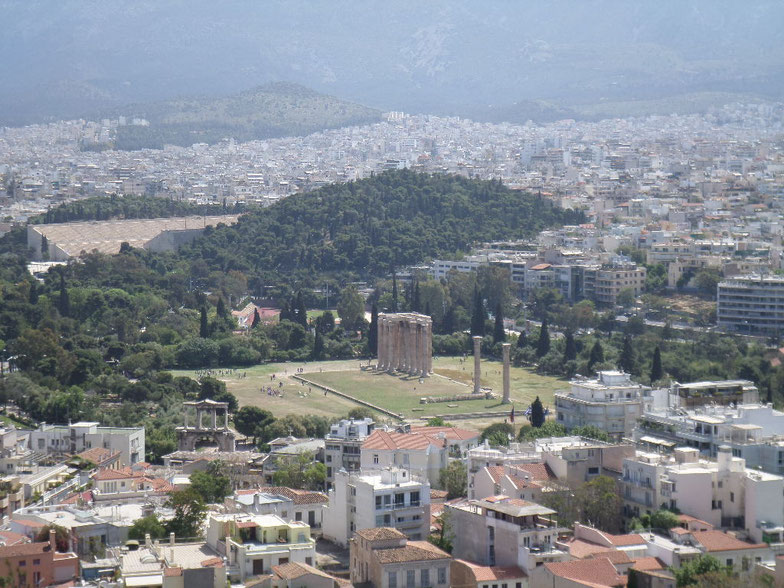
pixel 505 348
pixel 477 367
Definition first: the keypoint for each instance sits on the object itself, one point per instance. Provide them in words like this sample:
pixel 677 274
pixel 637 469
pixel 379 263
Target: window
pixel 309 561
pixel 593 470
pixel 378 502
pixel 410 578
pixel 297 516
pixel 392 579
pixel 36 562
pixel 329 459
pixel 22 563
pixel 732 497
pixel 442 575
pixel 729 562
pixel 721 484
pixel 375 458
pixel 425 577
pixel 415 498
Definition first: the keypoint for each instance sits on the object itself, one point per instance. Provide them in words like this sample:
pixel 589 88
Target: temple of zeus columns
pixel 405 343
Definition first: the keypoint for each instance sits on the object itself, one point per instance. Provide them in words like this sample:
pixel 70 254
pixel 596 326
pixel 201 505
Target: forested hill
pixel 371 226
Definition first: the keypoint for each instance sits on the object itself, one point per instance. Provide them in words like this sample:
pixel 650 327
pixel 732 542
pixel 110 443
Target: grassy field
pixel 396 393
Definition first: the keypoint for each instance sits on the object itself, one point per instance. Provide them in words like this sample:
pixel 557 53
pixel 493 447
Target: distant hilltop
pixel 63 241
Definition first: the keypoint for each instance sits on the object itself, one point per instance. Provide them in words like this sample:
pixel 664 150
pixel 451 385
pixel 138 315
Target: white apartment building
pixel 253 544
pixel 290 504
pixel 75 438
pixel 612 402
pixel 754 432
pixel 751 305
pixel 342 445
pixel 724 493
pixel 377 498
pixel 503 531
pixel 423 455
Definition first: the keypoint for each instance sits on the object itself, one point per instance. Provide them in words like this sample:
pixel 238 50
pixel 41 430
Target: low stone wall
pixel 458 398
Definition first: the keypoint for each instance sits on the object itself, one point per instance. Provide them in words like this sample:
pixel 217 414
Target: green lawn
pixel 399 394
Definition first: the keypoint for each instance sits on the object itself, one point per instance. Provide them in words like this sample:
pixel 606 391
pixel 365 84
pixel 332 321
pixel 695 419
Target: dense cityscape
pixel 461 349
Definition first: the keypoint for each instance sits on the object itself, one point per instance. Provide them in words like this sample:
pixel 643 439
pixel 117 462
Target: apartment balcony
pixel 638 483
pixel 398 506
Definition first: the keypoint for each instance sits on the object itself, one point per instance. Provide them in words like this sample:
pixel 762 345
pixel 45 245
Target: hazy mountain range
pixel 490 60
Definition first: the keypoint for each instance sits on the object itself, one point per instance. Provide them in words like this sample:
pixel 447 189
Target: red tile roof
pixel 381 440
pixel 412 551
pixel 719 541
pixel 538 471
pixel 169 572
pixel 648 563
pixel 297 496
pixel 21 549
pixel 380 534
pixel 9 538
pixel 579 548
pixel 598 572
pixel 451 433
pixel 98 455
pixel 489 573
pixel 623 540
pixel 294 570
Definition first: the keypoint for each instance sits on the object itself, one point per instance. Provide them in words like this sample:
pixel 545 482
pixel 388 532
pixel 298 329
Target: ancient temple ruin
pixel 405 343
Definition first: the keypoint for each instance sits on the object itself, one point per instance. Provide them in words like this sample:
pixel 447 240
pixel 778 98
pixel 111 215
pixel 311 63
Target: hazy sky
pixel 433 56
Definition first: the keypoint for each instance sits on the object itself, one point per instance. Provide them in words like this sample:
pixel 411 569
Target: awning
pixel 657 441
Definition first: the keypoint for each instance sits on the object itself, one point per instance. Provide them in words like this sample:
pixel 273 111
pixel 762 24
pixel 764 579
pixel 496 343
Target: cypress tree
pixel 522 341
pixel 318 346
pixel 394 292
pixel 597 355
pixel 44 248
pixel 656 366
pixel 220 308
pixel 449 320
pixel 256 319
pixel 416 299
pixel 373 331
pixel 33 296
pixel 478 315
pixel 64 303
pixel 499 334
pixel 570 350
pixel 204 327
pixel 301 313
pixel 626 361
pixel 537 413
pixel 543 345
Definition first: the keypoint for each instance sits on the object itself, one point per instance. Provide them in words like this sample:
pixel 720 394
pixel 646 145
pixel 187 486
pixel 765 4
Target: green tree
pixel 537 413
pixel 436 422
pixel 599 504
pixel 64 304
pixel 149 525
pixel 548 429
pixel 220 309
pixel 300 471
pixel 204 326
pixel 189 512
pixel 689 572
pixel 300 310
pixel 597 355
pixel 318 347
pixel 570 349
pixel 478 315
pixel 664 519
pixel 249 420
pixel 454 479
pixel 499 333
pixel 394 293
pixel 351 308
pixel 543 344
pixel 212 485
pixel 626 297
pixel 373 331
pixel 591 432
pixel 656 366
pixel 498 434
pixel 707 280
pixel 627 361
pixel 61 537
pixel 256 319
